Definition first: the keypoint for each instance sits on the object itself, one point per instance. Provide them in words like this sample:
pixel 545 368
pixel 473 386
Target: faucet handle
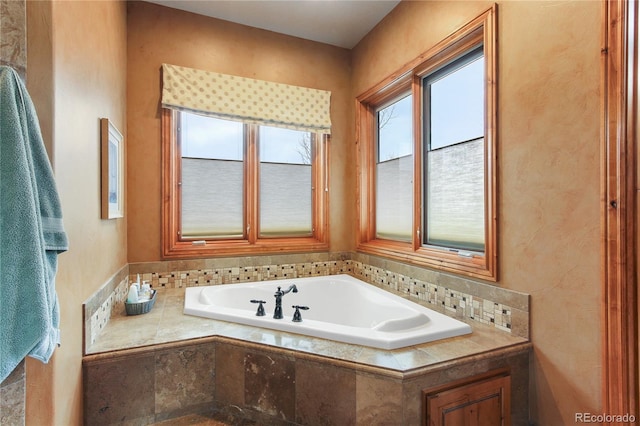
pixel 260 312
pixel 297 317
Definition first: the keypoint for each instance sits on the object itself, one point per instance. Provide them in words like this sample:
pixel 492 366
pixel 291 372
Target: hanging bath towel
pixel 31 232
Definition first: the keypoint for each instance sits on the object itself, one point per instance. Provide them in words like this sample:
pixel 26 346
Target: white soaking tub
pixel 341 308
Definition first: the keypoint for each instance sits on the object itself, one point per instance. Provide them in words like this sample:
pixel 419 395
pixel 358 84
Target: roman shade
pixel 245 99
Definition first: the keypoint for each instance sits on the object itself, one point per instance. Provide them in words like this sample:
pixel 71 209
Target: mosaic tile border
pixel 231 275
pixel 503 309
pixel 453 302
pixel 100 307
pixel 102 316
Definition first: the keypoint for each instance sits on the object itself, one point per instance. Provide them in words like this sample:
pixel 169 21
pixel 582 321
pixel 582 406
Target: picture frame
pixel 112 165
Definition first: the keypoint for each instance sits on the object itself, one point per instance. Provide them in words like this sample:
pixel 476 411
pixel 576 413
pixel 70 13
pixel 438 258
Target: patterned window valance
pixel 245 99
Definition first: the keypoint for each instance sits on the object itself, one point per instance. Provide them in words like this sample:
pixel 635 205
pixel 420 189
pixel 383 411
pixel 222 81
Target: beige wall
pixel 551 195
pixel 157 35
pixel 86 80
pixel 549 199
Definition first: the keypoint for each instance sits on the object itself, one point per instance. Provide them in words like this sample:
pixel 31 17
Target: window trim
pixel 175 247
pixel 479 31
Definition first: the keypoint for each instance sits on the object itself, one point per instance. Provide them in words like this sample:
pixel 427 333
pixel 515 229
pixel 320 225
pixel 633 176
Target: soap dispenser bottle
pixel 132 297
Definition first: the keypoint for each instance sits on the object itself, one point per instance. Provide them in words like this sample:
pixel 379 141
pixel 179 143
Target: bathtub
pixel 341 308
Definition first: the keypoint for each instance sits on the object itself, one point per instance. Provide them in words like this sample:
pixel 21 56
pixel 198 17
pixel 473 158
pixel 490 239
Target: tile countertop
pixel 166 323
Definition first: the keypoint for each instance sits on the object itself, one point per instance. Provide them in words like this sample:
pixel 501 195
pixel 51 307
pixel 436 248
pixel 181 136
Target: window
pixel 426 162
pixel 285 182
pixel 232 187
pixel 212 181
pixel 394 170
pixel 453 140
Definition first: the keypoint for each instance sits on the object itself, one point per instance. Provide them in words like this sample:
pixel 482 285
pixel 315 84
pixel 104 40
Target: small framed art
pixel 112 170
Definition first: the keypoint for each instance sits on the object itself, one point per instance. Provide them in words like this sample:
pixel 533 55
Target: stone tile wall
pixel 13 35
pixel 272 386
pixel 12 397
pixel 150 386
pixel 13 52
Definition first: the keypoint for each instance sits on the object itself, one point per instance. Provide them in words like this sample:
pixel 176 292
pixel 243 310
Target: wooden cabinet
pixel 478 401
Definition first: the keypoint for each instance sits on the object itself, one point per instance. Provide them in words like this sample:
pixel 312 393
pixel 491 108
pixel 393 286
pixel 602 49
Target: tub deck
pixel 167 324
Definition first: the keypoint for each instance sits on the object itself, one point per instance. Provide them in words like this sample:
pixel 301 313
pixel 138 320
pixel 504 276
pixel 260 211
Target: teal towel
pixel 31 232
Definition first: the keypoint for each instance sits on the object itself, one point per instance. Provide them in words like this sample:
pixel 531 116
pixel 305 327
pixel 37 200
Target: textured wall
pixel 81 78
pixel 549 169
pixel 210 44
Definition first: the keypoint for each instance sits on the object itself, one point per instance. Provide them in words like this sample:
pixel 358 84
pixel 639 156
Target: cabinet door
pixel 482 403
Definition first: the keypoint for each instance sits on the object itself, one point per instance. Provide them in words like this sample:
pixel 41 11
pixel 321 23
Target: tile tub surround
pixel 101 306
pixel 163 364
pixel 166 323
pixel 456 296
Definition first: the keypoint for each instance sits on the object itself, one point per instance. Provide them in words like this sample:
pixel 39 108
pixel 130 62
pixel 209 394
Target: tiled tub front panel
pixel 271 386
pixel 458 297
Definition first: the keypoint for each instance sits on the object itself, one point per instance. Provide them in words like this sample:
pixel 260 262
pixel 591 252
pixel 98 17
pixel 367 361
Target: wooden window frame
pixel 480 31
pixel 619 208
pixel 175 246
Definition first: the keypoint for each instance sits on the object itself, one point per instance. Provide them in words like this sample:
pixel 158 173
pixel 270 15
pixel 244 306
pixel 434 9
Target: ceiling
pixel 340 23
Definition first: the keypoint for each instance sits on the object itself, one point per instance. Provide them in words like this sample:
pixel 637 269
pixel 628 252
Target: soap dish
pixel 141 307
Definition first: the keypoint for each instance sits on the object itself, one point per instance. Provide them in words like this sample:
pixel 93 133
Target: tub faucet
pixel 277 313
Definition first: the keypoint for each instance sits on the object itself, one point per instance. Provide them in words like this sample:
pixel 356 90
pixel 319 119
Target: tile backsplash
pixel 100 307
pixel 231 275
pixel 459 297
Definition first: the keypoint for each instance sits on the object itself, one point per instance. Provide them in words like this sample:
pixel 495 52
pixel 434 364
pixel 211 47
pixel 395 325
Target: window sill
pixel 475 266
pixel 187 249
